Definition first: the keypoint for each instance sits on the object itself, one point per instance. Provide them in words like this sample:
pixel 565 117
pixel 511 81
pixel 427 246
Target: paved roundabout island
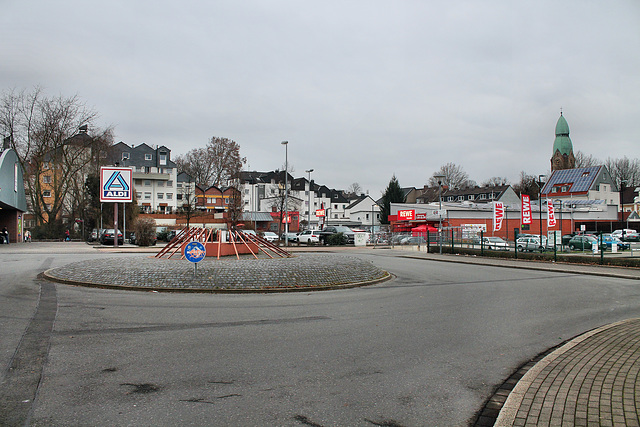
pixel 302 272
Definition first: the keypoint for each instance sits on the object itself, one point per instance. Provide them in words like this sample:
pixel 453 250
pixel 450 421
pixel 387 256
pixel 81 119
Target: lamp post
pixel 286 184
pixel 540 207
pixel 623 183
pixel 309 201
pixel 440 179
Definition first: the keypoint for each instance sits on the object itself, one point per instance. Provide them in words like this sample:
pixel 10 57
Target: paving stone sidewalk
pixel 593 380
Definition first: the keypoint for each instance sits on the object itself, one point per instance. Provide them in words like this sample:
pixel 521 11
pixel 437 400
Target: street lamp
pixel 623 183
pixel 440 179
pixel 309 201
pixel 540 206
pixel 286 184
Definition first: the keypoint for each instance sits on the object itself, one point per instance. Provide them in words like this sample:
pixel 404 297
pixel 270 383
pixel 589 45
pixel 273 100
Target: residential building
pixel 154 175
pixel 590 183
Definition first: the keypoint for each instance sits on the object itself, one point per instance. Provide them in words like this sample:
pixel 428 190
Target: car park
pixel 270 236
pixel 495 243
pixel 309 236
pixel 583 242
pixel 108 236
pixel 135 241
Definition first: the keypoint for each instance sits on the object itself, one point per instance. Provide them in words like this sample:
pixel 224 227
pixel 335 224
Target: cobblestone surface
pixel 591 381
pixel 302 271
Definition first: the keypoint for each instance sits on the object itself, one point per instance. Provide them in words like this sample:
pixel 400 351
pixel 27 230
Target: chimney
pixel 83 129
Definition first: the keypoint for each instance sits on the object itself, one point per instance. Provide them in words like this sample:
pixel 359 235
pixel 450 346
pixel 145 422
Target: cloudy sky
pixel 361 90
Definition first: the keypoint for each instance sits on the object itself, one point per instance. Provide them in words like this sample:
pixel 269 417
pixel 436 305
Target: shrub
pixel 336 239
pixel 145 229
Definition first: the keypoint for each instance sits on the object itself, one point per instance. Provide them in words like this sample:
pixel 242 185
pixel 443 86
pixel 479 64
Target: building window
pixel 160 196
pixel 163 159
pixel 147 183
pixel 169 183
pixel 137 182
pixel 168 170
pixel 178 196
pixel 565 188
pixel 46 193
pixel 160 183
pixel 169 196
pixel 178 185
pixel 147 156
pixel 554 190
pixel 470 197
pixel 125 156
pixel 46 179
pixel 138 195
pixel 147 196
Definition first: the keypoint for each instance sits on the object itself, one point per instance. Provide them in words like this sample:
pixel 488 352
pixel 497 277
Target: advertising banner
pixel 320 212
pixel 551 215
pixel 526 209
pixel 498 215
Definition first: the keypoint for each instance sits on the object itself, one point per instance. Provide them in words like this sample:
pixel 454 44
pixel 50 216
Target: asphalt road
pixel 425 349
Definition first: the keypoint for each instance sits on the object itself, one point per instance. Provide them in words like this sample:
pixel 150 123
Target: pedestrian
pixel 27 236
pixel 5 234
pixel 66 236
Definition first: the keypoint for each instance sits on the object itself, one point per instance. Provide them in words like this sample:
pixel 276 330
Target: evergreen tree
pixel 392 194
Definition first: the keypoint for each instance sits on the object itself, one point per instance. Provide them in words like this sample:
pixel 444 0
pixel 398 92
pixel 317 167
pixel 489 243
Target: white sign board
pixel 116 184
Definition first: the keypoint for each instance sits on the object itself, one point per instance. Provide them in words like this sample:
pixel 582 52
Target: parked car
pixel 495 243
pixel 349 235
pixel 93 236
pixel 531 243
pixel 270 236
pixel 292 237
pixel 309 236
pixel 609 240
pixel 627 235
pixel 134 240
pixel 583 242
pixel 108 236
pixel 413 240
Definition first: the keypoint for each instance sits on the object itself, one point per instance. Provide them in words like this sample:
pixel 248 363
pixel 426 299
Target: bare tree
pixel 495 181
pixel 624 169
pixel 354 189
pixel 454 177
pixel 55 155
pixel 527 185
pixel 219 163
pixel 584 160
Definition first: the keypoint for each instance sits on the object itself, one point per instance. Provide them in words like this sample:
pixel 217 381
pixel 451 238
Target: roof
pixel 579 179
pixel 257 216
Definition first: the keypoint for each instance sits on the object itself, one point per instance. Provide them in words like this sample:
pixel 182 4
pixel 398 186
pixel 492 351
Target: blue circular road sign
pixel 195 251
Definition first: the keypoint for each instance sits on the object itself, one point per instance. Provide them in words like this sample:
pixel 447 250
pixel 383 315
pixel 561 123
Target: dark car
pixel 107 237
pixel 583 242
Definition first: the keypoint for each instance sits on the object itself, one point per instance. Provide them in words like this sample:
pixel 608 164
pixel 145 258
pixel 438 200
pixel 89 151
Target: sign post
pixel 195 252
pixel 116 186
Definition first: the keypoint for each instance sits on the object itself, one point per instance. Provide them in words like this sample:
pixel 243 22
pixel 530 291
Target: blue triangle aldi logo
pixel 116 184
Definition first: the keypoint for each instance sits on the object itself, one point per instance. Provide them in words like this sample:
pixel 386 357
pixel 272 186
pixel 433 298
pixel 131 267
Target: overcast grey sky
pixel 360 89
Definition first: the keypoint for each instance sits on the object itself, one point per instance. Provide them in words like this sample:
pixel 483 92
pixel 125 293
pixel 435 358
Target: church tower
pixel 562 157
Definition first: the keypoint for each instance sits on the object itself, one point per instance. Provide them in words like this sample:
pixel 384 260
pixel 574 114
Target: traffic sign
pixel 195 251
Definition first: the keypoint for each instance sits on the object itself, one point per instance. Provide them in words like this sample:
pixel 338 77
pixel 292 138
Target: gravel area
pixel 300 272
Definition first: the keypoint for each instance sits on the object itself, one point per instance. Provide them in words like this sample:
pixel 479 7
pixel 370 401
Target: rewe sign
pixel 498 215
pixel 406 215
pixel 526 209
pixel 116 184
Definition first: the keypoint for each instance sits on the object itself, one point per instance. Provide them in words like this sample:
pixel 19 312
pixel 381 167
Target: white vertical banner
pixel 551 214
pixel 526 209
pixel 498 215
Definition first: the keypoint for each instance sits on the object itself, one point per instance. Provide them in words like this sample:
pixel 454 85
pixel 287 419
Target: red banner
pixel 498 215
pixel 551 215
pixel 526 209
pixel 406 215
pixel 320 212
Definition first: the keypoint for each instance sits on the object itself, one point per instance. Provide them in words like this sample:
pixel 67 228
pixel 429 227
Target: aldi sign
pixel 116 184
